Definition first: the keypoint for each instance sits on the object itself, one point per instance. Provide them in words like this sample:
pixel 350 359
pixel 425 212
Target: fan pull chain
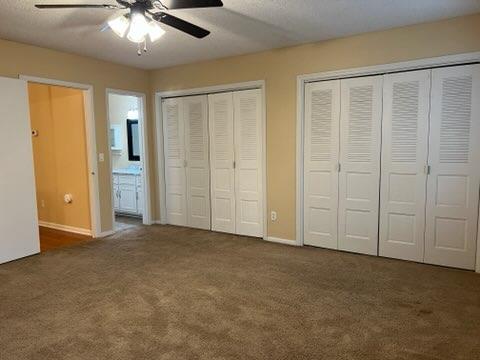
pixel 139 49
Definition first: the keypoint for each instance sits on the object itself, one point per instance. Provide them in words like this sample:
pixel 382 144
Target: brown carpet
pixel 174 293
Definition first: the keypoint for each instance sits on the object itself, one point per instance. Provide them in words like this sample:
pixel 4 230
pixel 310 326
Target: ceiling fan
pixel 143 17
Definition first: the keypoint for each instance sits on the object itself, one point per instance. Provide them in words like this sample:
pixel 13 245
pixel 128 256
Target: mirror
pixel 133 140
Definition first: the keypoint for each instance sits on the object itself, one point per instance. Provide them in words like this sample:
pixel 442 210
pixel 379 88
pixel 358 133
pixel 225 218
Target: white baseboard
pixel 281 241
pixel 159 222
pixel 105 233
pixel 66 228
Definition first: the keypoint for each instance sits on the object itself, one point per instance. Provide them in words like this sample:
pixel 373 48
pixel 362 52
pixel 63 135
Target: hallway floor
pixel 53 239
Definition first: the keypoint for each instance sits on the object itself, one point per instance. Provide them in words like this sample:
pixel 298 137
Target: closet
pixel 236 162
pixel 431 166
pixel 422 127
pixel 213 161
pixel 186 161
pixel 342 158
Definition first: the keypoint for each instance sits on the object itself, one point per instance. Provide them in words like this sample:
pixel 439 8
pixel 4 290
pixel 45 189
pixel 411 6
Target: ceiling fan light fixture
pixel 119 25
pixel 138 28
pixel 155 32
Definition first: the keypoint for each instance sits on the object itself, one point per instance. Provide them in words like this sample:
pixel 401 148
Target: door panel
pixel 322 116
pixel 197 172
pixel 221 159
pixel 128 198
pixel 454 157
pixel 248 160
pixel 175 176
pixel 360 124
pixel 18 206
pixel 406 99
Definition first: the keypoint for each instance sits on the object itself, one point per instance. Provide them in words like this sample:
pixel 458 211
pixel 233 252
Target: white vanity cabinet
pixel 128 193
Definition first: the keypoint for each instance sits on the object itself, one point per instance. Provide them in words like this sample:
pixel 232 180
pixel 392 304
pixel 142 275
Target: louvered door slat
pixel 220 113
pixel 197 171
pixel 454 157
pixel 406 105
pixel 322 116
pixel 175 176
pixel 361 111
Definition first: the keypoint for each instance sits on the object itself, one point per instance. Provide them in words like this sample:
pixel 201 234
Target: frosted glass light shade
pixel 138 28
pixel 154 31
pixel 119 25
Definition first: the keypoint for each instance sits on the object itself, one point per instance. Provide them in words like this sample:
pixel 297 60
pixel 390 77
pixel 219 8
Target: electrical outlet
pixel 42 203
pixel 273 216
pixel 101 157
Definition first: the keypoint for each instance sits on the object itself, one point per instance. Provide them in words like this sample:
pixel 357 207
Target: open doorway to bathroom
pixel 127 154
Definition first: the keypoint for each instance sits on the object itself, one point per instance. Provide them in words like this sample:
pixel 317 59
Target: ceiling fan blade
pixel 76 6
pixel 188 4
pixel 181 25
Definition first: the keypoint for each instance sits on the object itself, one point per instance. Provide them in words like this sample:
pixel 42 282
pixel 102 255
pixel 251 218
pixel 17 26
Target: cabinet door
pixel 360 124
pixel 406 106
pixel 128 198
pixel 175 180
pixel 198 171
pixel 221 159
pixel 248 162
pixel 139 201
pixel 454 157
pixel 116 197
pixel 322 116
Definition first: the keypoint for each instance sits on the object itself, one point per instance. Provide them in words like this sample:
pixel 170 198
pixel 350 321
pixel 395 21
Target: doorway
pixel 126 128
pixel 59 140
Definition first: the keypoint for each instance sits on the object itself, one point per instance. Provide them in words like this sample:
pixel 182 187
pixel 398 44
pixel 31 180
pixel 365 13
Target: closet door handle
pixel 427 169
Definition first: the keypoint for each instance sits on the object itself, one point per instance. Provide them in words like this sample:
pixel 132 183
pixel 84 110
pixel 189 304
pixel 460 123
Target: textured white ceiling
pixel 242 26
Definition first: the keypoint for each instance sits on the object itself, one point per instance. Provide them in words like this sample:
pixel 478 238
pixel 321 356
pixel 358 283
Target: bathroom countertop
pixel 127 171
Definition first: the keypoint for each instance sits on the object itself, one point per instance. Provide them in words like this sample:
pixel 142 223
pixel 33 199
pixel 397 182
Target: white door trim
pixel 160 95
pixel 448 60
pixel 147 204
pixel 91 144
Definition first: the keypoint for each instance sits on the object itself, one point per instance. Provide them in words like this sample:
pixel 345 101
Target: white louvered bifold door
pixel 198 171
pixel 322 116
pixel 248 162
pixel 175 179
pixel 360 131
pixel 220 113
pixel 406 106
pixel 454 159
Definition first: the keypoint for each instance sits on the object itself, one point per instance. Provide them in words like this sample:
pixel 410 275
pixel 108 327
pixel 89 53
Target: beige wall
pixel 118 108
pixel 16 58
pixel 60 154
pixel 279 68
